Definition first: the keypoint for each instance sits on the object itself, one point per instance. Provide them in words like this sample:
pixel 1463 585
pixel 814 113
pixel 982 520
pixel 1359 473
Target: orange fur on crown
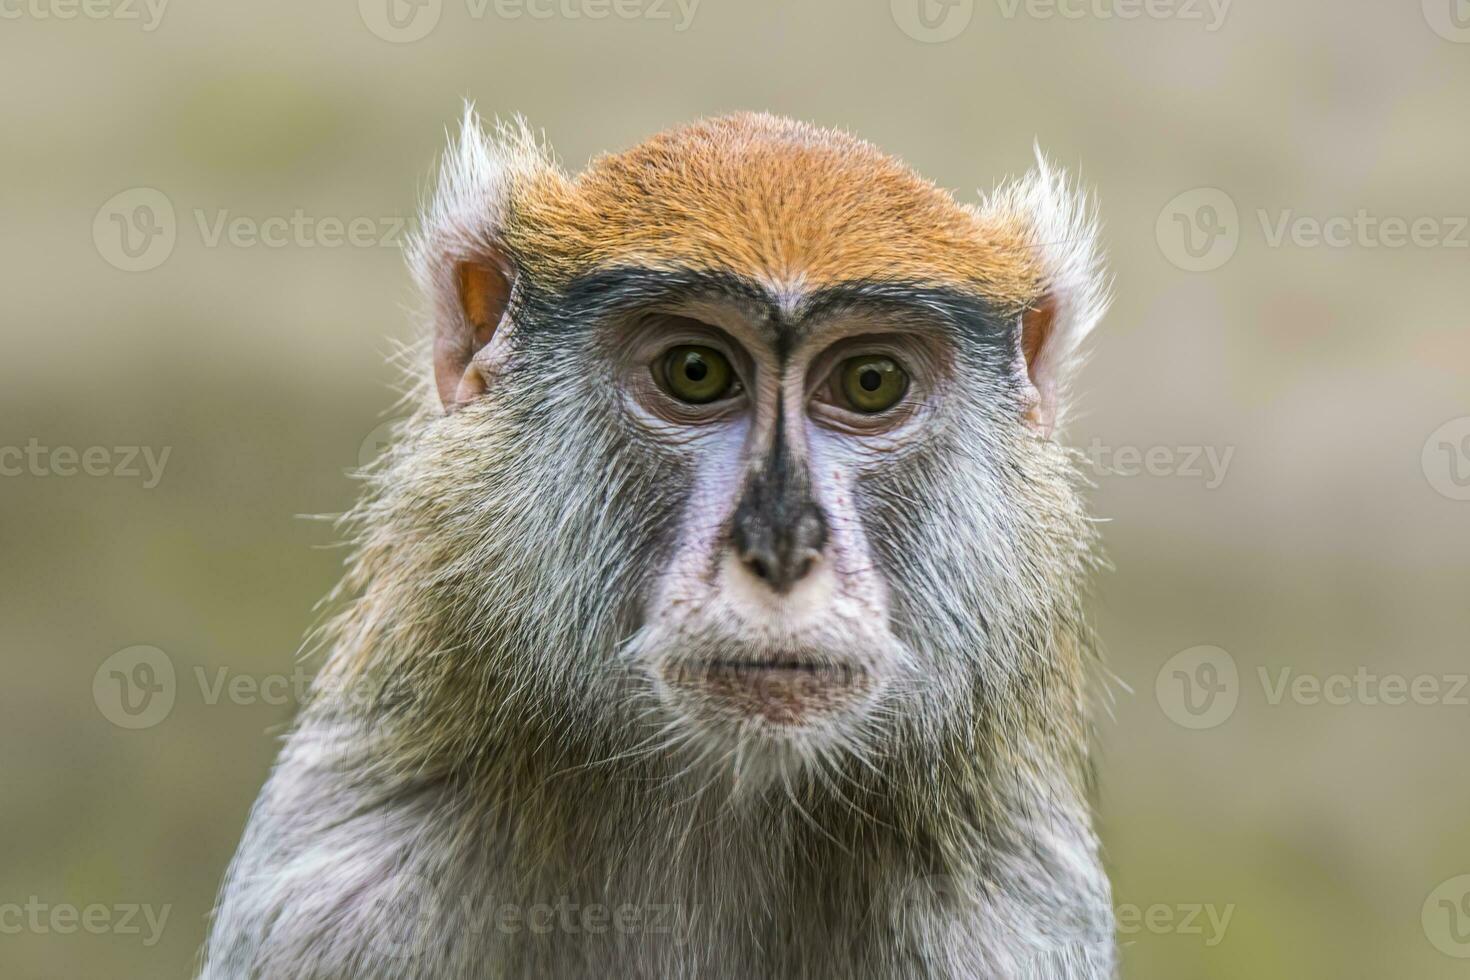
pixel 771 199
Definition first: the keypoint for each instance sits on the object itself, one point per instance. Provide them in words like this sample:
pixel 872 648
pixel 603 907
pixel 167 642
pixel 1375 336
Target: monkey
pixel 718 610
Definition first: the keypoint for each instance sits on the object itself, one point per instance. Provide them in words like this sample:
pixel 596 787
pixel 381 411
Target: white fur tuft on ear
pixel 1060 226
pixel 458 255
pixel 470 204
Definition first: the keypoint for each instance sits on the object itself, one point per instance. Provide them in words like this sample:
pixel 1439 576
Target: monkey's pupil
pixel 872 383
pixel 697 375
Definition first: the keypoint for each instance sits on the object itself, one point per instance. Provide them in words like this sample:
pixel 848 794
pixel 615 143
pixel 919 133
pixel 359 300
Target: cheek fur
pixel 834 487
pixel 713 468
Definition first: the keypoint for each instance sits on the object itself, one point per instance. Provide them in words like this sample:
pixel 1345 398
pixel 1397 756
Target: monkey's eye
pixel 871 383
pixel 697 375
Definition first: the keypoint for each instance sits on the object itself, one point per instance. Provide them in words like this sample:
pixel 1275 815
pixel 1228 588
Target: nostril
pixel 759 568
pixel 803 567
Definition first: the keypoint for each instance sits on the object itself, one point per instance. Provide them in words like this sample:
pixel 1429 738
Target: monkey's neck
pixel 814 883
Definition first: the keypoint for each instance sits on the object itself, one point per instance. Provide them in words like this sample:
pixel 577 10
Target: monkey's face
pixel 770 618
pixel 823 495
pixel 748 434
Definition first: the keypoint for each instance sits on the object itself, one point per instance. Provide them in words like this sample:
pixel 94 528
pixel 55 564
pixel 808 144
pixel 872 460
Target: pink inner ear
pixel 483 289
pixel 1036 329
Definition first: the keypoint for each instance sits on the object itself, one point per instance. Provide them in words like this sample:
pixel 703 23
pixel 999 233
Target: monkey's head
pixel 740 440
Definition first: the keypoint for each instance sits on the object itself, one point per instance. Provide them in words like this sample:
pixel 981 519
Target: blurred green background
pixel 1336 377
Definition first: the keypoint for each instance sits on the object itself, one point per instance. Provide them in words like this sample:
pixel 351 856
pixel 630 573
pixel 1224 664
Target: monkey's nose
pixel 779 554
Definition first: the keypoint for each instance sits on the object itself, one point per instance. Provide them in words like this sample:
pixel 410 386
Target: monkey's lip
pixel 783 691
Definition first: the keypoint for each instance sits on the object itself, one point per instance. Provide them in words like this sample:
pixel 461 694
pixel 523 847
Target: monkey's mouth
pixel 781 691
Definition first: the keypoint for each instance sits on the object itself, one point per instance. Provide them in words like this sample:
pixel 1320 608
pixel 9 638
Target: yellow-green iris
pixel 872 383
pixel 697 375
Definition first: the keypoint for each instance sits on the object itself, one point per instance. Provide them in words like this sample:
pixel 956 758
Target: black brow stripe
pixel 630 287
pixel 626 288
pixel 967 313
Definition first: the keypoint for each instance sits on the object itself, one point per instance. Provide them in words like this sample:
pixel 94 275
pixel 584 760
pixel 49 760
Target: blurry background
pixel 192 214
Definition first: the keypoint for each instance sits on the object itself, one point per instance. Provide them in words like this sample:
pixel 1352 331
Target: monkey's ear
pixel 460 259
pixel 463 361
pixel 1060 232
